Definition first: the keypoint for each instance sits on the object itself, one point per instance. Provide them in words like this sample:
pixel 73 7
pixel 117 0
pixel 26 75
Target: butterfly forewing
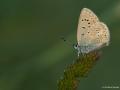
pixel 91 32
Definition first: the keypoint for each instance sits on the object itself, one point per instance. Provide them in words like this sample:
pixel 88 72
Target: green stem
pixel 79 69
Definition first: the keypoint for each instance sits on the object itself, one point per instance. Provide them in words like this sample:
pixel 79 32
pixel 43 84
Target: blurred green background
pixel 32 55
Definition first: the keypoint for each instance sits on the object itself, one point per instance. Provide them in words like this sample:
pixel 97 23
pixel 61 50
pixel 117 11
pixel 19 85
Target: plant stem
pixel 79 69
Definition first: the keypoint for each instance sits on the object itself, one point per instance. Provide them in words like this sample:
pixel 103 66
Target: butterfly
pixel 92 34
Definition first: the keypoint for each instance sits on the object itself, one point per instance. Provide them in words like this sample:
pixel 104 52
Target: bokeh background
pixel 32 55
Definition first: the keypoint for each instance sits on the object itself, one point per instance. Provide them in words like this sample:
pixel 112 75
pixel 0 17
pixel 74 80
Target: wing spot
pixel 82 34
pixel 89 23
pixel 83 27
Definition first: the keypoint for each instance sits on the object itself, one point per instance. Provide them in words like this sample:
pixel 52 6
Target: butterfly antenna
pixel 68 42
pixel 74 46
pixel 63 39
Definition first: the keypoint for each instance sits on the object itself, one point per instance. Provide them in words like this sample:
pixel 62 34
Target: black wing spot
pixel 89 23
pixel 82 34
pixel 83 27
pixel 87 20
pixel 82 20
pixel 88 32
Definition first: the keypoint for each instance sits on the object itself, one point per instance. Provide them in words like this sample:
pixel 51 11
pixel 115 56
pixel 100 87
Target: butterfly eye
pixel 75 46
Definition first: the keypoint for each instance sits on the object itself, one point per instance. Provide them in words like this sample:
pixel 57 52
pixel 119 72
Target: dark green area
pixel 32 55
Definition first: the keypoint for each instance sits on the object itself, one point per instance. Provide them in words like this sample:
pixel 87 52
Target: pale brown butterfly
pixel 92 34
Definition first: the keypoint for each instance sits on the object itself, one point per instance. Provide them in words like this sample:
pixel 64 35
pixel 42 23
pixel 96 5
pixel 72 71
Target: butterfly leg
pixel 80 51
pixel 77 47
